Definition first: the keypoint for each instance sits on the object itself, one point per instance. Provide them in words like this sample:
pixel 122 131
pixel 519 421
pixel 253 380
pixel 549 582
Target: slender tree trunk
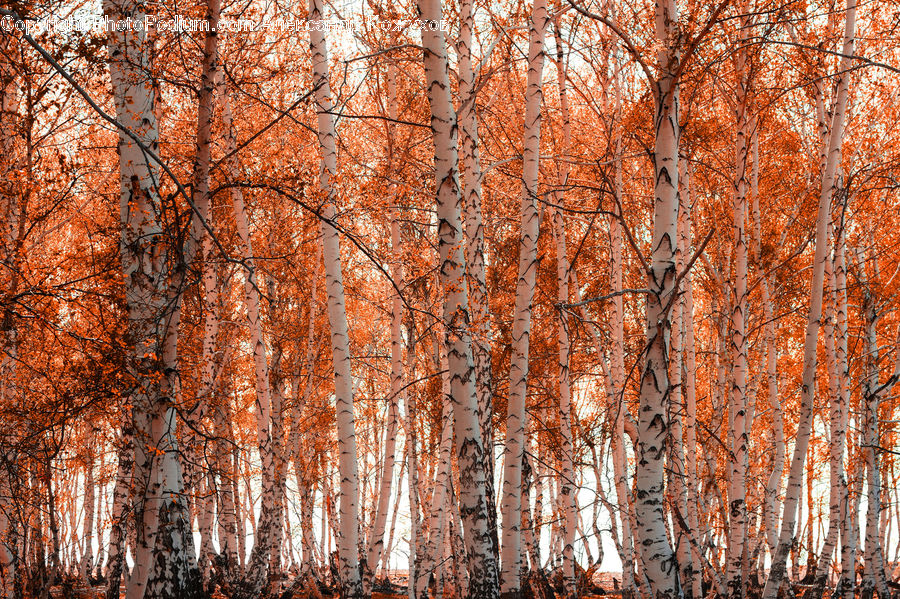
pixel 777 570
pixel 617 377
pixel 773 483
pixel 737 483
pixel 279 463
pixel 569 490
pixel 118 518
pixel 231 546
pixel 348 544
pixel 514 453
pixel 677 457
pixel 303 465
pixel 470 157
pixel 474 504
pixel 874 581
pixel 838 484
pixel 386 555
pixel 691 571
pixel 847 581
pixel 656 553
pixel 260 566
pixel 416 545
pixel 437 520
pixel 204 496
pixel 87 534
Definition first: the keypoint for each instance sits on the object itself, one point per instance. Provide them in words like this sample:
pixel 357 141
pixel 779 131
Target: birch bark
pixel 337 316
pixel 691 571
pixel 795 480
pixel 656 553
pixel 470 157
pixel 773 483
pixel 483 581
pixel 838 484
pixel 437 520
pixel 87 534
pixel 514 453
pixel 118 523
pixel 260 567
pixel 874 581
pixel 164 562
pixel 737 483
pixel 848 534
pixel 568 490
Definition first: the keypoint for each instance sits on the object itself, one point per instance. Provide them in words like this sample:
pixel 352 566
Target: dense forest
pixel 464 299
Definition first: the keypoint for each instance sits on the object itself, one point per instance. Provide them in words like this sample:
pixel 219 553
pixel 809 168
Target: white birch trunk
pixel 838 484
pixel 259 570
pixel 483 583
pixel 691 571
pixel 874 580
pixel 303 465
pixel 777 570
pixel 657 555
pixel 231 545
pixel 118 523
pixel 738 428
pixel 677 457
pixel 348 542
pixel 376 545
pixel 514 452
pixel 470 157
pixel 773 483
pixel 164 560
pixel 569 490
pixel 437 521
pixel 87 531
pixel 846 583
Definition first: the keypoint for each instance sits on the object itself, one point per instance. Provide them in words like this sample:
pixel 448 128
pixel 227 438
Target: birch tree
pixel 656 552
pixel 568 490
pixel 514 453
pixel 795 481
pixel 164 562
pixel 470 157
pixel 337 315
pixel 483 581
pixel 738 426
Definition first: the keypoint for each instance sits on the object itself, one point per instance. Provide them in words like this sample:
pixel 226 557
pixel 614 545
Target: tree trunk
pixel 470 158
pixel 260 567
pixel 874 580
pixel 87 534
pixel 569 490
pixel 656 553
pixel 514 452
pixel 153 295
pixel 795 481
pixel 348 544
pixel 738 427
pixel 691 571
pixel 474 504
pixel 838 484
pixel 437 521
pixel 118 524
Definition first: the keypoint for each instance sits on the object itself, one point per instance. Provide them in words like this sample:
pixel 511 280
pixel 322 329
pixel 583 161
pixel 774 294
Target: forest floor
pixel 605 581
